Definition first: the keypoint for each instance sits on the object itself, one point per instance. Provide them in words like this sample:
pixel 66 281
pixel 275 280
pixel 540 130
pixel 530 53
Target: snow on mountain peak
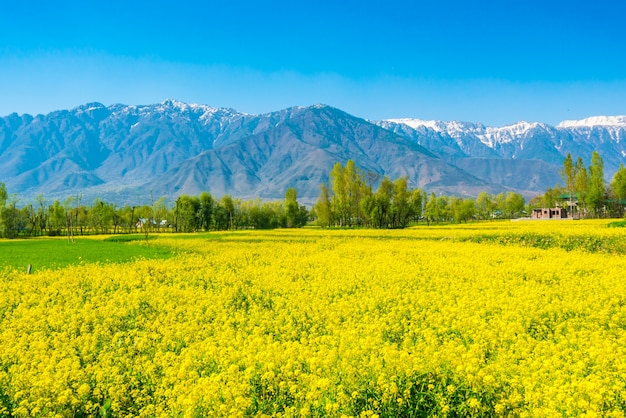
pixel 89 107
pixel 203 112
pixel 522 126
pixel 182 106
pixel 418 123
pixel 611 121
pixel 518 128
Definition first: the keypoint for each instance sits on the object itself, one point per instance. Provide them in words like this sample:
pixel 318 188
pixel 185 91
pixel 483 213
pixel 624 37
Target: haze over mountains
pixel 126 154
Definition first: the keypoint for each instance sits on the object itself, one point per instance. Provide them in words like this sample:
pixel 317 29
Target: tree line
pixel 349 200
pixel 186 214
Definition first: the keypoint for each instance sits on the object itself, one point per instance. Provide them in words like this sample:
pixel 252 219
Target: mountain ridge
pixel 120 151
pixel 474 146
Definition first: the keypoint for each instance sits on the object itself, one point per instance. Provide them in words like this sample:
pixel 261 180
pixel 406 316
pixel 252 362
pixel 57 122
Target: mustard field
pixel 493 319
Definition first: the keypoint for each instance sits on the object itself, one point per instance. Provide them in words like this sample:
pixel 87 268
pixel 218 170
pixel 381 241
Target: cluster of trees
pixel 585 191
pixel 186 214
pixel 204 213
pixel 349 200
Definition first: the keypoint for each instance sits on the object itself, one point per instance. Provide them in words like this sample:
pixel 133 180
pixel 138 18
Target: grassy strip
pixel 617 224
pixel 589 243
pixel 48 253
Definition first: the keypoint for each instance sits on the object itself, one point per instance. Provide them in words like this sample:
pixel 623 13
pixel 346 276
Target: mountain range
pixel 129 154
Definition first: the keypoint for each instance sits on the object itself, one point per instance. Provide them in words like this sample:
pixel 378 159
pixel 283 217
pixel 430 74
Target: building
pixel 550 213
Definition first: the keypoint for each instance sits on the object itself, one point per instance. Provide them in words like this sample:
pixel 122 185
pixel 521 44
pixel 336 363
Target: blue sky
pixel 494 62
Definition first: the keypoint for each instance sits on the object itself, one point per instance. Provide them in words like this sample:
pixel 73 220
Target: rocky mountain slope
pixel 524 156
pixel 128 153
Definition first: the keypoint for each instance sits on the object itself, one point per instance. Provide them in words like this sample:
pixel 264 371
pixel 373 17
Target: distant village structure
pixel 550 213
pixel 566 208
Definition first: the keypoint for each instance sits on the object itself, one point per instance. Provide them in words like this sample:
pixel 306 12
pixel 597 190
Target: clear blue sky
pixel 494 62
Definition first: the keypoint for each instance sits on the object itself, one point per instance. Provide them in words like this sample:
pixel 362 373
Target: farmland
pixel 51 253
pixel 486 319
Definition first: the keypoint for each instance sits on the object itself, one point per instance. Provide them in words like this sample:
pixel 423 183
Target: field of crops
pixel 490 319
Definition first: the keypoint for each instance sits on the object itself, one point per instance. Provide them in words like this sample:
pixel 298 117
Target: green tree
pixel 618 187
pixel 116 217
pixel 416 203
pixel 437 209
pixel 303 216
pixel 4 195
pixel 514 205
pixel 207 204
pixel 275 212
pixel 581 186
pixel 221 218
pixel 161 213
pixel 400 205
pixel 291 208
pixel 356 186
pixel 568 174
pixel 485 206
pixel 339 198
pixel 3 200
pixel 42 218
pixel 70 216
pixel 100 216
pixel 348 186
pixel 9 214
pixel 57 217
pixel 29 220
pixel 597 188
pixel 186 213
pixel 228 203
pixel 381 205
pixel 258 214
pixel 500 205
pixel 253 210
pixel 127 218
pixel 145 219
pixel 323 208
pixel 366 205
pixel 462 210
pixel 549 199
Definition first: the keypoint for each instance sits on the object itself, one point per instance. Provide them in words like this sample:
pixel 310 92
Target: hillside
pixel 128 153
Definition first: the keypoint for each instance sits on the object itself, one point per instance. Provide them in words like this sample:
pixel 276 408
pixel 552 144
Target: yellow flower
pixel 326 322
pixel 473 403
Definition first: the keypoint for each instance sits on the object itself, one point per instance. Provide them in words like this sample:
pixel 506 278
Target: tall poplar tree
pixel 291 207
pixel 323 207
pixel 381 207
pixel 3 211
pixel 581 185
pixel 348 187
pixel 618 186
pixel 568 174
pixel 207 205
pixel 400 207
pixel 596 194
pixel 340 194
pixel 485 205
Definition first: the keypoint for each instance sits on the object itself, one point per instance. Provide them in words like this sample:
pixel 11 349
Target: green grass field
pixel 52 253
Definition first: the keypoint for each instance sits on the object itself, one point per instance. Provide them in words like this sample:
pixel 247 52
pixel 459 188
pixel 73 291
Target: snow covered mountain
pixel 525 156
pixel 126 153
